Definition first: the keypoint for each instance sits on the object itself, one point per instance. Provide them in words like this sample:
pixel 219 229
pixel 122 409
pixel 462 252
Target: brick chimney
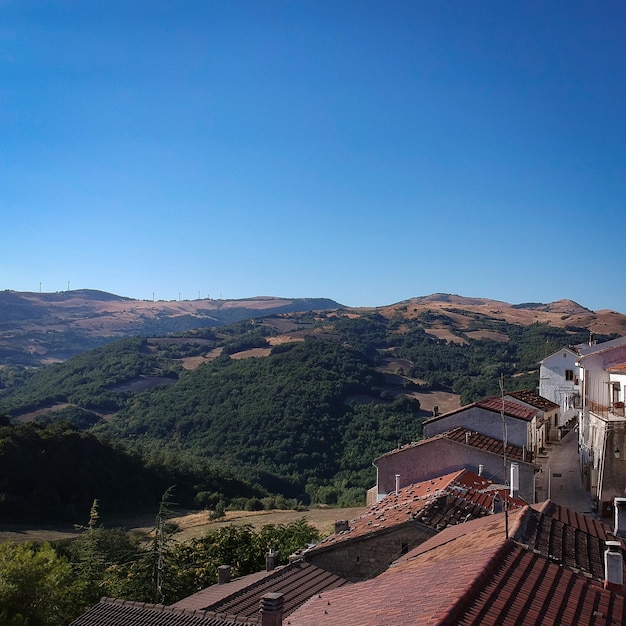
pixel 272 609
pixel 619 506
pixel 613 567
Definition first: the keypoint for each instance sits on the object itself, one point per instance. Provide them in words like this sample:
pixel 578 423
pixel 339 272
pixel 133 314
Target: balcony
pixel 612 411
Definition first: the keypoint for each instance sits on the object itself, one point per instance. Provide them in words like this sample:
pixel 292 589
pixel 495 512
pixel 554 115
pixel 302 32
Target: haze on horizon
pixel 361 151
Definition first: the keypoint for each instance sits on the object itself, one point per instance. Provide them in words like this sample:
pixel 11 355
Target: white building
pixel 588 382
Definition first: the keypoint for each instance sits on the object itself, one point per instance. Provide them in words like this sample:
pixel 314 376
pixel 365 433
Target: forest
pixel 303 423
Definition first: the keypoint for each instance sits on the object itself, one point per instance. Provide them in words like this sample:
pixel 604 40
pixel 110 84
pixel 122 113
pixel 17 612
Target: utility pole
pixel 504 431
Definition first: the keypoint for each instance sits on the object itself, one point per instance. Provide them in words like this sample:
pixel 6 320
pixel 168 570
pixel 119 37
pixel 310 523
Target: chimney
pixel 271 560
pixel 223 574
pixel 619 506
pixel 435 410
pixel 341 525
pixel 397 483
pixel 613 567
pixel 272 609
pixel 480 469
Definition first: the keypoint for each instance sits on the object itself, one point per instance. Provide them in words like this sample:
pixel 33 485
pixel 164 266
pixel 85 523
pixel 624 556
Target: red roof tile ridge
pixel 135 603
pixel 520 521
pixel 546 507
pixel 477 583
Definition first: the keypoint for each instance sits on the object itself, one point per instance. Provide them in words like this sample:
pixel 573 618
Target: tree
pixel 36 586
pixel 152 576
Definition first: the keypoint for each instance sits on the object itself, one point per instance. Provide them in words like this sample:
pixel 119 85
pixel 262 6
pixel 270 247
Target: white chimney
pixel 514 479
pixel 480 469
pixel 397 483
pixel 613 567
pixel 619 506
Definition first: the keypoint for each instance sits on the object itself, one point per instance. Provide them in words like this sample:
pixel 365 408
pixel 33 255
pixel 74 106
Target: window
pixel 569 374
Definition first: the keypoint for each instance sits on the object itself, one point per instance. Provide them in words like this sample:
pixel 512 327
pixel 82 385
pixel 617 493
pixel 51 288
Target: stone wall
pixel 362 559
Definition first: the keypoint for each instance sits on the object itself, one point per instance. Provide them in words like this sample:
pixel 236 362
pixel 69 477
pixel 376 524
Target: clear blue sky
pixel 366 151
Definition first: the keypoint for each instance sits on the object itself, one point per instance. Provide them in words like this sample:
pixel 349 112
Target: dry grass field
pixel 191 524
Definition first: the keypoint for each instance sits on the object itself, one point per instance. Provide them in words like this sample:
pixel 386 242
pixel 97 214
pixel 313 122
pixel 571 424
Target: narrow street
pixel 560 479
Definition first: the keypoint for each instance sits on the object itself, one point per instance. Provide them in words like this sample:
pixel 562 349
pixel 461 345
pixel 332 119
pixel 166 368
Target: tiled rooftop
pixel 579 521
pixel 496 404
pixel 437 503
pixel 474 574
pixel 534 399
pixel 297 582
pixel 526 588
pixel 470 438
pixel 110 612
pixel 511 409
pixel 617 368
pixel 567 539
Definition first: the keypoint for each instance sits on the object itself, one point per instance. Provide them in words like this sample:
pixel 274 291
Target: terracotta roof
pixel 495 404
pixel 473 574
pixel 471 438
pixel 579 521
pixel 418 595
pixel 528 589
pixel 111 612
pixel 436 503
pixel 511 409
pixel 214 593
pixel 534 399
pixel 618 368
pixel 566 539
pixel 297 582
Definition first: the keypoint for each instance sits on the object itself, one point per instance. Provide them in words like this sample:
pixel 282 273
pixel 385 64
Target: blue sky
pixel 365 151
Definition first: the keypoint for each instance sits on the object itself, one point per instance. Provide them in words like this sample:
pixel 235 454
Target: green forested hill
pixel 53 472
pixel 290 415
pixel 303 417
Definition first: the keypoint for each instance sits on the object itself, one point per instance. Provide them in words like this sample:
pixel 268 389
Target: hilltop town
pixel 459 528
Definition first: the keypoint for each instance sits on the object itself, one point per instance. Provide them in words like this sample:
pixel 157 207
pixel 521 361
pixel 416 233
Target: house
pixel 365 546
pixel 537 566
pixel 589 380
pixel 112 612
pixel 359 549
pixel 492 417
pixel 242 596
pixel 450 451
pixel 548 419
pixel 260 599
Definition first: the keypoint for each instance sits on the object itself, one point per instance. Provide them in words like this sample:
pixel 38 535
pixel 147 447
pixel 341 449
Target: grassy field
pixel 192 524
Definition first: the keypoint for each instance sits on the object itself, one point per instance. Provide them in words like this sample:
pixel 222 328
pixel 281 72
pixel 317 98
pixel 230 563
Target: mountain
pixel 41 328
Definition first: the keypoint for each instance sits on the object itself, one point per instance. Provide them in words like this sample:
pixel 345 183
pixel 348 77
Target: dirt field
pixel 192 524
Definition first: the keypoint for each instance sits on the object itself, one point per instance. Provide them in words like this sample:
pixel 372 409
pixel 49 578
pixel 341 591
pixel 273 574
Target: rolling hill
pixel 42 328
pixel 297 403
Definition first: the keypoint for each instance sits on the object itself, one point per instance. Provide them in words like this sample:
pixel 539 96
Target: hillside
pixel 41 328
pixel 299 403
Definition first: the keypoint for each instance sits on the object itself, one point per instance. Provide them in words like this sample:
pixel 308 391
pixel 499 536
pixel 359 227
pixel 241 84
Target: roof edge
pixel 477 584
